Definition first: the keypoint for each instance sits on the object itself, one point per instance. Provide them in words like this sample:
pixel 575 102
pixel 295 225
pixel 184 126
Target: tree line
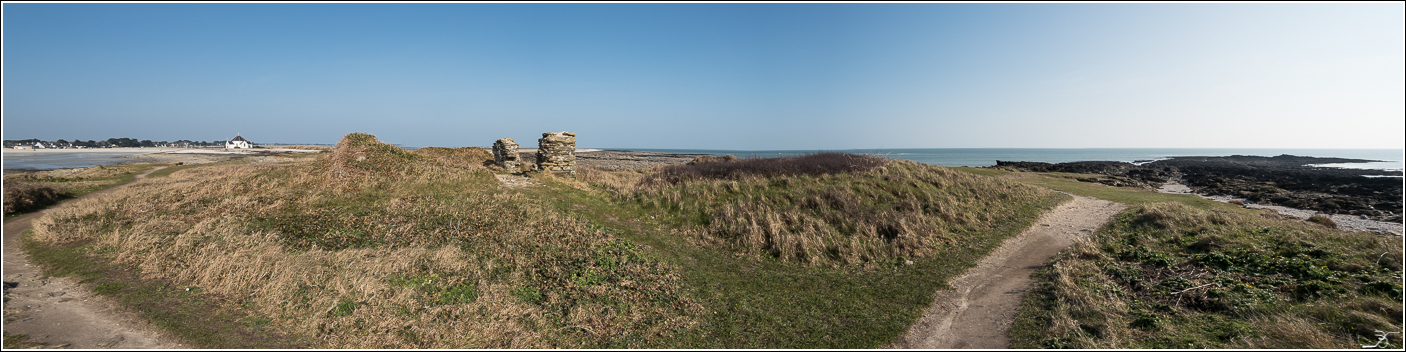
pixel 114 142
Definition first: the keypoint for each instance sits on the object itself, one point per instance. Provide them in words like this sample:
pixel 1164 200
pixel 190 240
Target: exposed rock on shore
pixel 1284 180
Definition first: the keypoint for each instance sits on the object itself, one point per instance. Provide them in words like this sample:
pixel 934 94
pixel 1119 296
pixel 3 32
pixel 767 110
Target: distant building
pixel 238 142
pixel 39 145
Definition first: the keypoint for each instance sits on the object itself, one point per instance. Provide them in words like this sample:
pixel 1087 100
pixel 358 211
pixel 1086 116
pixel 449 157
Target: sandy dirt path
pixel 979 310
pixel 58 313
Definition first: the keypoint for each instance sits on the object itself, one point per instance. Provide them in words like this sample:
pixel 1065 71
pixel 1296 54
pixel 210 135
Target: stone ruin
pixel 556 152
pixel 505 154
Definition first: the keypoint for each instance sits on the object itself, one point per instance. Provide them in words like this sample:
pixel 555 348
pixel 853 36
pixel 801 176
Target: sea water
pixel 63 159
pixel 1391 159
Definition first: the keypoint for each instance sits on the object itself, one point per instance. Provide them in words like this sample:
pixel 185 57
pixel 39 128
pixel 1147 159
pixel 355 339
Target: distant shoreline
pixel 24 160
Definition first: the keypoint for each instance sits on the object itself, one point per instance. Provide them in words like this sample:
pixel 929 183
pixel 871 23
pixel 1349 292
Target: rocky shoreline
pixel 1284 180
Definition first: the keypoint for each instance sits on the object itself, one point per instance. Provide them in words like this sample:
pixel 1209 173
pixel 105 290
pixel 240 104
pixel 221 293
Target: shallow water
pixel 49 160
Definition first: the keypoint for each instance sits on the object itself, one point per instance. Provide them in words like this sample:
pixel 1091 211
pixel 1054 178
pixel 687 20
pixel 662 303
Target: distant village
pixel 33 143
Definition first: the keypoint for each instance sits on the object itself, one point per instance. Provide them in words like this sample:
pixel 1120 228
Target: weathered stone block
pixel 505 154
pixel 556 152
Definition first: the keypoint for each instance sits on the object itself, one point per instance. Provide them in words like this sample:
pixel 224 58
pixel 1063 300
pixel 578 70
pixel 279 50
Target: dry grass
pixel 24 196
pixel 1167 275
pixel 466 157
pixel 824 209
pixel 371 246
pixel 306 147
pixel 1323 220
pixel 26 191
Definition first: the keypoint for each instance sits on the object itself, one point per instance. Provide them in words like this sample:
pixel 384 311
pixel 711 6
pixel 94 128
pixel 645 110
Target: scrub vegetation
pixel 1175 274
pixel 29 191
pixel 827 209
pixel 373 246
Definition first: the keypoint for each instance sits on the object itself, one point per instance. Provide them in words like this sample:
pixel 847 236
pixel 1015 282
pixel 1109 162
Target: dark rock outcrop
pixel 1285 180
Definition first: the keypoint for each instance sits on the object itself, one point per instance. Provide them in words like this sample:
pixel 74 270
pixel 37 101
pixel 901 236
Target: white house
pixel 238 142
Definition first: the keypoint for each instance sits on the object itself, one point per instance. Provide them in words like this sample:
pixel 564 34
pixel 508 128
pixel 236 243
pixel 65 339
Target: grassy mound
pixel 827 208
pixel 360 155
pixel 405 253
pixel 1167 275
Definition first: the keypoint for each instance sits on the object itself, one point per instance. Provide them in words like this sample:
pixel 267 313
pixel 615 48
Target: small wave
pixel 1144 162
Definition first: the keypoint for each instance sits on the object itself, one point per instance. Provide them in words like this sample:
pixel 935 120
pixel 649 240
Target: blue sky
pixel 714 76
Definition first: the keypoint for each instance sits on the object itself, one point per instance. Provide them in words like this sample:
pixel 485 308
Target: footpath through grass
pixel 768 303
pixel 1177 271
pixel 27 192
pixel 186 311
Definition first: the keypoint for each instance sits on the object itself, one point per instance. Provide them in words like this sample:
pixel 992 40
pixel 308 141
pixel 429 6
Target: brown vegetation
pixel 371 246
pixel 23 196
pixel 1323 220
pixel 825 208
pixel 26 191
pixel 703 159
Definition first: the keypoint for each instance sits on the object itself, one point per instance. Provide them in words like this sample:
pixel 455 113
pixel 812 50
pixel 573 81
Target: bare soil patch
pixel 979 309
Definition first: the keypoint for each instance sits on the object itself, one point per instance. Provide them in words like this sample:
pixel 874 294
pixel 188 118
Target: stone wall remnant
pixel 505 154
pixel 556 152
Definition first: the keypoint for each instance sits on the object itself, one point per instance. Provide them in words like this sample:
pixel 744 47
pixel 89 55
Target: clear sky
pixel 714 76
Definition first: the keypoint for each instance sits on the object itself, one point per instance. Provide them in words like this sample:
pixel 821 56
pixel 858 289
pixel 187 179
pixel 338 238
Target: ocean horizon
pixel 1392 159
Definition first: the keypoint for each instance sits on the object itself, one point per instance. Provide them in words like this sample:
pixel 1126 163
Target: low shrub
pixel 724 168
pixel 22 197
pixel 1323 220
pixel 704 159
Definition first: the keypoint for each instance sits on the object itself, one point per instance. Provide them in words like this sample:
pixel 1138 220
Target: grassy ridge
pixel 826 209
pixel 1181 273
pixel 376 247
pixel 371 246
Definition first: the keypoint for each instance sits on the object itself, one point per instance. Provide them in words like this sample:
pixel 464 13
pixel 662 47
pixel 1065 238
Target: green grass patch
pixel 1168 275
pixel 1132 196
pixel 173 168
pixel 18 341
